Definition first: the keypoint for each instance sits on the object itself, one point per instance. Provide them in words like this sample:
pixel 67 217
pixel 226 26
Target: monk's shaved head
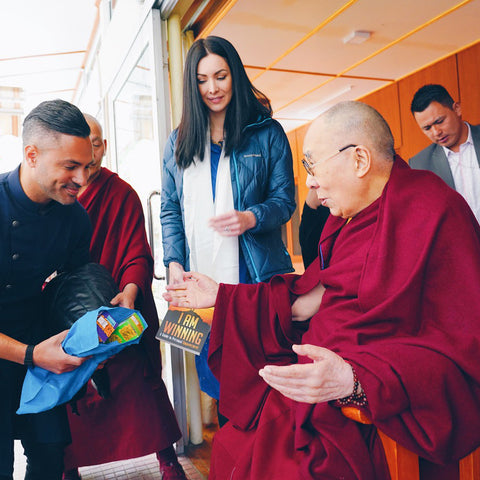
pixel 349 156
pixel 99 145
pixel 92 120
pixel 355 123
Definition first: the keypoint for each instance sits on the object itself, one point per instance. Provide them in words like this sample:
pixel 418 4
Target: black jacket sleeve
pixel 311 226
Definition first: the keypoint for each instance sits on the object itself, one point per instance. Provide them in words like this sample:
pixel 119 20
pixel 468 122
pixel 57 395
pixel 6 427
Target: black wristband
pixel 28 361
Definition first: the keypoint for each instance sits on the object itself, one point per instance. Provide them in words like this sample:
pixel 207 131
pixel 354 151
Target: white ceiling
pixel 43 45
pixel 293 49
pixel 310 66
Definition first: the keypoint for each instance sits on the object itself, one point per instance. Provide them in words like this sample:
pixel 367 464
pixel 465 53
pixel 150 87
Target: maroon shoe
pixel 172 471
pixel 71 475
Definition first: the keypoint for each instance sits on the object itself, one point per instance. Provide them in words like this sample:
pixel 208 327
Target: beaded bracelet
pixel 355 398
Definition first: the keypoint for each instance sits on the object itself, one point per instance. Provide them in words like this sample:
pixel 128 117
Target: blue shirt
pixel 215 152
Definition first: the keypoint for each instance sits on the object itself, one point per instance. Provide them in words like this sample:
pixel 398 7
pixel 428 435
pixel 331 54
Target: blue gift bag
pixel 43 390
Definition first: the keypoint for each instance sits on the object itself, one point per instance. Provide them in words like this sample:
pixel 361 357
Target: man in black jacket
pixel 314 216
pixel 44 230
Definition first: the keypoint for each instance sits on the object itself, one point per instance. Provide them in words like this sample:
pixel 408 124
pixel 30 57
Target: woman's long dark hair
pixel 246 106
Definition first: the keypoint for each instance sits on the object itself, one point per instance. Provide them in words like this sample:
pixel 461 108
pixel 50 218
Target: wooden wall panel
pixel 292 226
pixel 295 139
pixel 385 101
pixel 302 174
pixel 393 101
pixel 469 83
pixel 301 132
pixel 443 73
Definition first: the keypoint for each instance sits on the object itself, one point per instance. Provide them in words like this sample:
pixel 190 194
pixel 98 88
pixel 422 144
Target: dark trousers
pixel 44 461
pixel 43 435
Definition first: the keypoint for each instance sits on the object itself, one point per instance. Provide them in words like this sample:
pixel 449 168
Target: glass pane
pixel 10 149
pixel 133 108
pixel 136 155
pixel 11 115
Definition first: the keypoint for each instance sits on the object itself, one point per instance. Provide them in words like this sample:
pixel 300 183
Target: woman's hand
pixel 234 223
pixel 197 291
pixel 175 272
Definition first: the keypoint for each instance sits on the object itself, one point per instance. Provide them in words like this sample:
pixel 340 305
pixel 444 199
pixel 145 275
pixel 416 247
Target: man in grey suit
pixel 455 152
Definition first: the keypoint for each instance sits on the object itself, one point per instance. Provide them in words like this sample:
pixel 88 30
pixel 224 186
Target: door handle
pixel 151 237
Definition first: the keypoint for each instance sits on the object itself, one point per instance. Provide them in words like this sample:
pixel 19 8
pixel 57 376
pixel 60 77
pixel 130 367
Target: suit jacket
pixel 433 158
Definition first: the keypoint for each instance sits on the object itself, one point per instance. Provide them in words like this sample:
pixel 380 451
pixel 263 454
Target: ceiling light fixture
pixel 358 36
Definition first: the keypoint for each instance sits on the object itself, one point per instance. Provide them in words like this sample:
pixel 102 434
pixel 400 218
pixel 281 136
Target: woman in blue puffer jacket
pixel 227 184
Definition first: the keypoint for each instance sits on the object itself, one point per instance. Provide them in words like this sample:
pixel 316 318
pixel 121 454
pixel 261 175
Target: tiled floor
pixel 143 468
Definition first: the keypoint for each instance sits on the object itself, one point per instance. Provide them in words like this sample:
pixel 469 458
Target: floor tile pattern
pixel 143 468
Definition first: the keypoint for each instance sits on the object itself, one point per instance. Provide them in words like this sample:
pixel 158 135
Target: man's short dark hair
pixel 55 116
pixel 428 94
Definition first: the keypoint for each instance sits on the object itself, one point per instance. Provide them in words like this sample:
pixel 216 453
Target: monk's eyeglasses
pixel 309 167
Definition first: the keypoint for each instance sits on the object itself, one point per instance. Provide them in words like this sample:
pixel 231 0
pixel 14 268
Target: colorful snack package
pixel 106 325
pixel 129 329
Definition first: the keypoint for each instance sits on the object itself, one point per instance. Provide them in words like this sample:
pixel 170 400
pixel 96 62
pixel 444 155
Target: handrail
pixel 151 237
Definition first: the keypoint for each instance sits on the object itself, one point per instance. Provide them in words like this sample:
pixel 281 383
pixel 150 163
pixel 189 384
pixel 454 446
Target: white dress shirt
pixel 466 173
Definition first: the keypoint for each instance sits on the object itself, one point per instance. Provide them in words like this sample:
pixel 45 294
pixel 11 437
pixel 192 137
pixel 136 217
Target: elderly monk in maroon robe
pixel 137 419
pixel 393 302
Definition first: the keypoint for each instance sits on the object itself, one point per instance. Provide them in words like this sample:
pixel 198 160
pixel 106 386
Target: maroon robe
pixel 138 419
pixel 401 305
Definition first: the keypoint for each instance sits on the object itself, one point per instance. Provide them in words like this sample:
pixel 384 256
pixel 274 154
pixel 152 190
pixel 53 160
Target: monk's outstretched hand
pixel 328 377
pixel 196 291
